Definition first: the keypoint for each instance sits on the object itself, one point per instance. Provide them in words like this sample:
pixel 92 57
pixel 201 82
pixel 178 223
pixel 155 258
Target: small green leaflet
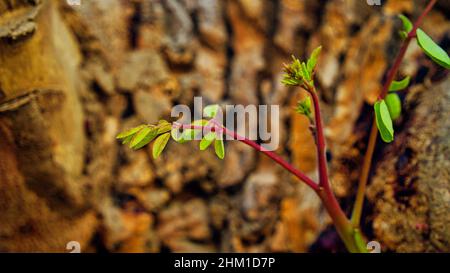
pixel 219 148
pixel 200 122
pixel 139 136
pixel 164 127
pixel 130 132
pixel 394 105
pixel 304 107
pixel 305 73
pixel 160 144
pixel 148 138
pixel 176 134
pixel 143 137
pixel 407 24
pixel 384 121
pixel 312 61
pixel 210 111
pixel 207 140
pixel 293 73
pixel 187 135
pixel 290 82
pixel 399 85
pixel 127 139
pixel 434 51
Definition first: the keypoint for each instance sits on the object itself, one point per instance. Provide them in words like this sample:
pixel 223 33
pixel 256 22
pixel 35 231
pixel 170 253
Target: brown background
pixel 72 78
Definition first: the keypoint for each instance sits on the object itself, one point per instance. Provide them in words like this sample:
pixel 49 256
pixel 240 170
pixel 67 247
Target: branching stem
pixel 367 162
pixel 286 165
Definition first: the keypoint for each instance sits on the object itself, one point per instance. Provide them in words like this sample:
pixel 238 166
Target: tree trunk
pixel 72 77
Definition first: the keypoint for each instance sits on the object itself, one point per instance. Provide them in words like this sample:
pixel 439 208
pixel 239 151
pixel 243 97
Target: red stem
pixel 398 60
pixel 286 165
pixel 357 209
pixel 320 139
pixel 323 190
pixel 342 223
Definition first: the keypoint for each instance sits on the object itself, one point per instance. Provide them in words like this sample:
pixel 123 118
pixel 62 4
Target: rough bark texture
pixel 72 77
pixel 410 189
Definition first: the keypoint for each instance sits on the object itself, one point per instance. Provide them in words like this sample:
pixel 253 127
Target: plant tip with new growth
pixel 299 73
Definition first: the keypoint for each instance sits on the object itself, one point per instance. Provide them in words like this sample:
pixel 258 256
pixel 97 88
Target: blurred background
pixel 73 76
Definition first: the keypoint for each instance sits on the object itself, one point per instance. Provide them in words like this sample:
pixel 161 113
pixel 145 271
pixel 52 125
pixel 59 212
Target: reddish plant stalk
pixel 320 140
pixel 340 220
pixel 323 190
pixel 357 209
pixel 303 177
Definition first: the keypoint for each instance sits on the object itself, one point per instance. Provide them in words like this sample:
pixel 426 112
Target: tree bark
pixel 72 77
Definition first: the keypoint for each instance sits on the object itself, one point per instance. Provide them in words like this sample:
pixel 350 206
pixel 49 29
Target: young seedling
pixel 301 74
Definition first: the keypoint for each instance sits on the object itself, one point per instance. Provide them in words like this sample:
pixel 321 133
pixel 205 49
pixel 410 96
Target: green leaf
pixel 403 34
pixel 164 127
pixel 384 121
pixel 293 73
pixel 210 111
pixel 304 107
pixel 399 85
pixel 219 147
pixel 407 24
pixel 160 144
pixel 187 135
pixel 305 73
pixel 143 137
pixel 394 105
pixel 312 61
pixel 139 136
pixel 163 122
pixel 291 82
pixel 207 140
pixel 200 122
pixel 434 51
pixel 176 134
pixel 127 139
pixel 130 132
